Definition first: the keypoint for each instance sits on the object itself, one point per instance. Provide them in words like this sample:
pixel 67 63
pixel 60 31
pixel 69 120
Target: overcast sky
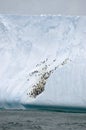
pixel 31 7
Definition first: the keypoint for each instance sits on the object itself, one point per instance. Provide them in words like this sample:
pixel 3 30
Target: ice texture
pixel 42 61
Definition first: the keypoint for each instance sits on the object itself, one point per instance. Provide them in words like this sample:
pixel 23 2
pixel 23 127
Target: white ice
pixel 25 41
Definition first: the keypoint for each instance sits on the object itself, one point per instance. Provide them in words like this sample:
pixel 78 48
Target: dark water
pixel 41 120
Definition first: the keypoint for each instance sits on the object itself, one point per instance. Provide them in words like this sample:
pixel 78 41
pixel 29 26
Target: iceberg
pixel 42 61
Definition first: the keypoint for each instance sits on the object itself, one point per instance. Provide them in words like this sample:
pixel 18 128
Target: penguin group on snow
pixel 43 75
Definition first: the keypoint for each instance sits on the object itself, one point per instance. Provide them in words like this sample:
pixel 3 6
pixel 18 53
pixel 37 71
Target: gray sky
pixel 34 7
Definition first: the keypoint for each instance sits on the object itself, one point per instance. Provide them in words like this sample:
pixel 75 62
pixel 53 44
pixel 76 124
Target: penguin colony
pixel 43 74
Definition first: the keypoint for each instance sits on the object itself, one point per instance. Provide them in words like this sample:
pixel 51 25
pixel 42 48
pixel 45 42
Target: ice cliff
pixel 42 61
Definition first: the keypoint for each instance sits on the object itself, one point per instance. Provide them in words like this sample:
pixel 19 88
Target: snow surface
pixel 27 41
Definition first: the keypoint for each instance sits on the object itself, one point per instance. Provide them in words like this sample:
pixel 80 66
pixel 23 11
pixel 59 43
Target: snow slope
pixel 42 61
